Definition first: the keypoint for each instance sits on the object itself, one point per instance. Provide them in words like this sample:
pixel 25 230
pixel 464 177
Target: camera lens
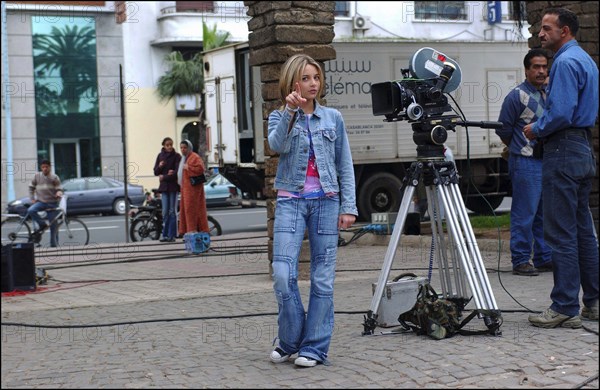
pixel 414 111
pixel 434 93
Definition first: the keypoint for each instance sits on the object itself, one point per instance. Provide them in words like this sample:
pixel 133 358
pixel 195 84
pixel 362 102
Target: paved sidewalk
pixel 150 315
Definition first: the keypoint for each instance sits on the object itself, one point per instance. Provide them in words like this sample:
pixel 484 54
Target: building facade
pixel 60 94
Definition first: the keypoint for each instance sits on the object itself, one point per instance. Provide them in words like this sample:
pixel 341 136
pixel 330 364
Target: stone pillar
pixel 278 30
pixel 587 36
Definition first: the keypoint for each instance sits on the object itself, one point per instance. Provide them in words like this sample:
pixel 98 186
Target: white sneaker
pixel 305 362
pixel 279 356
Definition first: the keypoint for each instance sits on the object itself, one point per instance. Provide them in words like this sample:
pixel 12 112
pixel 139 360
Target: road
pixel 111 229
pixel 231 219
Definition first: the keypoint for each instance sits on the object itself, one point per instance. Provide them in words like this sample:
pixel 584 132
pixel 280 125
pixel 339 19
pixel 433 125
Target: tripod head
pixel 430 133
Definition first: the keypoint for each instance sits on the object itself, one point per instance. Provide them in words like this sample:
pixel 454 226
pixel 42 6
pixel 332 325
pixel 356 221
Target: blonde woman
pixel 315 192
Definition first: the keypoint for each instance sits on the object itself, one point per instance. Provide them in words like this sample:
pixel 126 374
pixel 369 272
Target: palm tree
pixel 183 78
pixel 186 77
pixel 211 38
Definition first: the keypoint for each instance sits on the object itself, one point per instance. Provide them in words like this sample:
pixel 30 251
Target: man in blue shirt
pixel 523 105
pixel 568 169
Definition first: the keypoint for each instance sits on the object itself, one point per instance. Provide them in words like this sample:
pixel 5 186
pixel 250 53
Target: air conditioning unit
pixel 361 22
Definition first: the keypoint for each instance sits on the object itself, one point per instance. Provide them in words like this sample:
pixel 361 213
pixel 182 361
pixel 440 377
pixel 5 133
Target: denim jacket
pixel 332 152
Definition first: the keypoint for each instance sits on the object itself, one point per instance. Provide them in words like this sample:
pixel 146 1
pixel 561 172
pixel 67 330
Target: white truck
pixel 382 151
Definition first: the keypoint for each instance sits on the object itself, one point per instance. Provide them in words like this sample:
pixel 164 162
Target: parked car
pixel 221 192
pixel 91 195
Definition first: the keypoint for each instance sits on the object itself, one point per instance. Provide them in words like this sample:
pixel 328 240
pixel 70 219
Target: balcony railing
pixel 225 9
pixel 182 26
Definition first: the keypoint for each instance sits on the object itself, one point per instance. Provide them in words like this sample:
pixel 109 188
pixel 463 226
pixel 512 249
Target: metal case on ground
pixel 398 297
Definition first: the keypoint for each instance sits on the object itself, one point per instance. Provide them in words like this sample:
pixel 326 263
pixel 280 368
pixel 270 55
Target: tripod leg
pixel 448 270
pixel 488 295
pixel 371 321
pixel 461 246
pixel 459 275
pixel 491 314
pixel 438 239
pixel 468 251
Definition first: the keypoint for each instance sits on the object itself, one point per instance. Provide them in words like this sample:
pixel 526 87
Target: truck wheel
pixel 482 186
pixel 380 193
pixel 480 204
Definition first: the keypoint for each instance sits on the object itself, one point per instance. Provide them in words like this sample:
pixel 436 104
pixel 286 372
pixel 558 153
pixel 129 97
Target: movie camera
pixel 420 99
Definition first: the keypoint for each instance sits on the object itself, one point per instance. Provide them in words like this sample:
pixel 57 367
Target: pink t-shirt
pixel 312 184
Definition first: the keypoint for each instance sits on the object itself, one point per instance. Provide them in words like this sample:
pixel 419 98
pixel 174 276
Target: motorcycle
pixel 146 222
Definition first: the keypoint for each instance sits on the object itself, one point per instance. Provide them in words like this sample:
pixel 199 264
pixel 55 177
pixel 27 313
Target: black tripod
pixel 463 267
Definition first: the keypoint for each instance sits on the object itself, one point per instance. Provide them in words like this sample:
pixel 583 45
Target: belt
pixel 565 133
pixel 316 194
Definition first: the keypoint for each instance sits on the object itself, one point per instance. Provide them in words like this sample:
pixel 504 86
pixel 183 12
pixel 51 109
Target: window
pixel 74 185
pixel 113 183
pixel 188 52
pixel 342 8
pixel 96 185
pixel 511 11
pixel 517 10
pixel 66 90
pixel 219 181
pixel 440 10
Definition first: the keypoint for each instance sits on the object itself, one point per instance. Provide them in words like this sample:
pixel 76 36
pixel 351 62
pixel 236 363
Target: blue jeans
pixel 169 214
pixel 568 170
pixel 41 206
pixel 308 334
pixel 526 212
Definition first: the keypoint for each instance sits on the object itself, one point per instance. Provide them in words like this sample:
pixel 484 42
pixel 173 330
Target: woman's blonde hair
pixel 291 72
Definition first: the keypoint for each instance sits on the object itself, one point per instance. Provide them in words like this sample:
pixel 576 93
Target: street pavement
pixel 151 315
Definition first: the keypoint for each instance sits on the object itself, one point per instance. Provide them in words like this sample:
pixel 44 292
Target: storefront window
pixel 66 94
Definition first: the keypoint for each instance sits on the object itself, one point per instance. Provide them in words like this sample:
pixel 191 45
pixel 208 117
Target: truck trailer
pixel 382 151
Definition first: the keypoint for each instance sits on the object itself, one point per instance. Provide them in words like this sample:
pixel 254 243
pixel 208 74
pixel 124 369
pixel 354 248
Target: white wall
pixel 397 20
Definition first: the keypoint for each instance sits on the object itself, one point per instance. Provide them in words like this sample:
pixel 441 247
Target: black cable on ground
pixel 359 232
pixel 198 277
pixel 585 382
pixel 203 318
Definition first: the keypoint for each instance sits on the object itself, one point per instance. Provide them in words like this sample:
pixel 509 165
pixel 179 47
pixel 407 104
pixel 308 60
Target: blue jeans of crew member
pixel 526 213
pixel 308 334
pixel 568 170
pixel 33 211
pixel 169 214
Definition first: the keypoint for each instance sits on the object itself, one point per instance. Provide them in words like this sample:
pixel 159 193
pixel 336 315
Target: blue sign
pixel 494 14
